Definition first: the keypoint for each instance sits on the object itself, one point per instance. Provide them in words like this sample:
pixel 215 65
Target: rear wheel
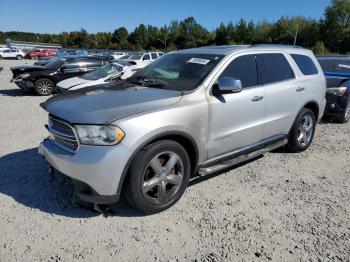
pixel 303 131
pixel 158 177
pixel 345 116
pixel 44 87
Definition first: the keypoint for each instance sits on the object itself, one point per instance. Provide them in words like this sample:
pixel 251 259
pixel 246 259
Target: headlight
pixel 338 91
pixel 99 135
pixel 24 75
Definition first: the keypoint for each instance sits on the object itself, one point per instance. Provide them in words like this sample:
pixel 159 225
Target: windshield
pixel 135 57
pixel 60 54
pixel 105 71
pixel 182 72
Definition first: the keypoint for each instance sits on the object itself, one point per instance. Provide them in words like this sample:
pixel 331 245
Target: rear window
pixel 273 68
pixel 338 66
pixel 305 64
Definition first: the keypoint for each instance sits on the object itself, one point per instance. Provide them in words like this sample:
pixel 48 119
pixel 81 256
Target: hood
pixel 104 104
pixel 72 82
pixel 27 69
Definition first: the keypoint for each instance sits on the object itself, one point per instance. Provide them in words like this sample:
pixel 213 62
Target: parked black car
pixel 43 79
pixel 337 72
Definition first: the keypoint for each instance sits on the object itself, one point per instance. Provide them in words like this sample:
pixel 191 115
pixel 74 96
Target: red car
pixel 41 52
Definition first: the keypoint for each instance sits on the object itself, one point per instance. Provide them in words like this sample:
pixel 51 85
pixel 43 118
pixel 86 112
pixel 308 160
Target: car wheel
pixel 345 116
pixel 44 87
pixel 19 57
pixel 0 57
pixel 157 177
pixel 302 132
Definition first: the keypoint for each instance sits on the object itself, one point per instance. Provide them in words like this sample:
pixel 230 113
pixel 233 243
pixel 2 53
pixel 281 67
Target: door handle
pixel 257 98
pixel 299 89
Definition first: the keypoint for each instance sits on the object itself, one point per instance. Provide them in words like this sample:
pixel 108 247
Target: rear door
pixel 70 68
pixel 236 120
pixel 283 99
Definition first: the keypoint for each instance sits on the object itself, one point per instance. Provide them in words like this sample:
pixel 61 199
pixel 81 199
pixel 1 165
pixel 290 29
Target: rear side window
pixel 305 64
pixel 273 68
pixel 244 69
pixel 154 56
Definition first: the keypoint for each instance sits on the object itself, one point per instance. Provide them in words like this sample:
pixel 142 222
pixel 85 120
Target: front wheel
pixel 44 87
pixel 19 57
pixel 345 116
pixel 158 177
pixel 302 132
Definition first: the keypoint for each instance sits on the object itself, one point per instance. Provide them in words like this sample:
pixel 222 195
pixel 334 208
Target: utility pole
pixel 296 35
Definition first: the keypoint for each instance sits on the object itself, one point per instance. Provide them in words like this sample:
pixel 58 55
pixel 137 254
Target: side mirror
pixel 62 69
pixel 228 85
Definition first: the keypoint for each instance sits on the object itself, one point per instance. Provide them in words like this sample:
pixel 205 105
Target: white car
pixel 109 72
pixel 12 53
pixel 117 55
pixel 140 60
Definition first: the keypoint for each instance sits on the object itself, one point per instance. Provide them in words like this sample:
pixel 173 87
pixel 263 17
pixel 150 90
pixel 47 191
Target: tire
pixel 151 187
pixel 0 57
pixel 19 57
pixel 302 132
pixel 345 116
pixel 44 87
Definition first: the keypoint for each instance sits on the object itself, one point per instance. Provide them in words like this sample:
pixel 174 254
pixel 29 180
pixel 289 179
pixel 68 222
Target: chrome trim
pixel 241 158
pixel 58 133
pixel 240 150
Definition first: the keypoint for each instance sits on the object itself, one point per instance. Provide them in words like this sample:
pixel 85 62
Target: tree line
pixel 330 34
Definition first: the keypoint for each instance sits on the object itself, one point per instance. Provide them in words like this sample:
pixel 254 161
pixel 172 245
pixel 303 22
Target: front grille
pixel 63 134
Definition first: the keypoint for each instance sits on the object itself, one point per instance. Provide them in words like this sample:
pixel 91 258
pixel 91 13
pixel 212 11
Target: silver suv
pixel 192 111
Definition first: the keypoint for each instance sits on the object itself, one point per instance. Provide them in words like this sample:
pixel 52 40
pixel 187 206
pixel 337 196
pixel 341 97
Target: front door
pixel 236 120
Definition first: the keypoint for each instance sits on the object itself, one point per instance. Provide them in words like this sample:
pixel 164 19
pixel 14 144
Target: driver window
pixel 244 69
pixel 146 57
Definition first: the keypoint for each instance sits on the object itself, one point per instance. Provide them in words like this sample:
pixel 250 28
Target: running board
pixel 241 158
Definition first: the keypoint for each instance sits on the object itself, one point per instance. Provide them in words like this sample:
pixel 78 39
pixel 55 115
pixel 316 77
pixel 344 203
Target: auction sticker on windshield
pixel 200 61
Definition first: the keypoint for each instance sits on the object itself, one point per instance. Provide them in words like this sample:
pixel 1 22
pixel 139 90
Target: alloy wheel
pixel 44 87
pixel 163 177
pixel 305 130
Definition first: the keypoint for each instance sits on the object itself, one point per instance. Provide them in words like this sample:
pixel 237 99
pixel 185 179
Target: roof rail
pixel 276 45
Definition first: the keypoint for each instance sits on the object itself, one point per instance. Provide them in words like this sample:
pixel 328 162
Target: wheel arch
pixel 313 106
pixel 182 138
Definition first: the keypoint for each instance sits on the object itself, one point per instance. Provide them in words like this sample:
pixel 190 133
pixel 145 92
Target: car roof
pixel 229 49
pixel 334 57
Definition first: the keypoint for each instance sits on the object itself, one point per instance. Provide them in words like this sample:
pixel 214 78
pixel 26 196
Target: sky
pixel 49 16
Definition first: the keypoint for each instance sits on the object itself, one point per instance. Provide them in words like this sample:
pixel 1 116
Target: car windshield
pixel 60 53
pixel 135 57
pixel 105 71
pixel 177 71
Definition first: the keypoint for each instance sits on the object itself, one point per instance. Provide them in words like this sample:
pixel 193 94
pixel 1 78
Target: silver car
pixel 193 111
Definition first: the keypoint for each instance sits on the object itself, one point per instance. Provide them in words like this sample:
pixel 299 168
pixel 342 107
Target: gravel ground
pixel 280 207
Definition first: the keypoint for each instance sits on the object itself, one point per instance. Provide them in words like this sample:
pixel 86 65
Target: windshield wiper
pixel 148 82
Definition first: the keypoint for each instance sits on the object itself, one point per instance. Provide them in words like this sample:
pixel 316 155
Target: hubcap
pixel 163 177
pixel 45 87
pixel 305 130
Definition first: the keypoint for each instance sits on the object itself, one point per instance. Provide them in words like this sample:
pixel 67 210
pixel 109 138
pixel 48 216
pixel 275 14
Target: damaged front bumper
pixel 24 84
